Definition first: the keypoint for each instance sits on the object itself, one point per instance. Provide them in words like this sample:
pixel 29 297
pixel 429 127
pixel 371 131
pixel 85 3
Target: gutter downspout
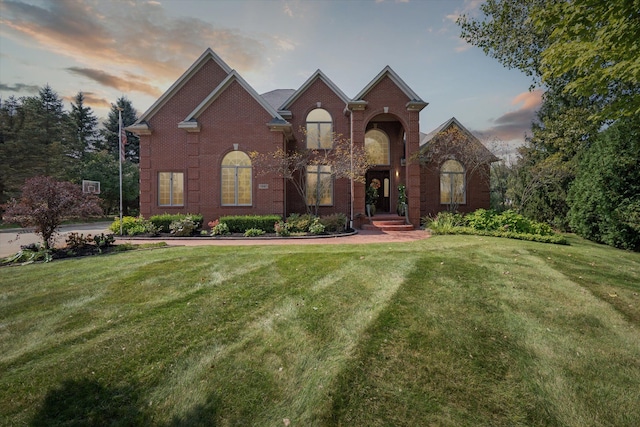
pixel 351 159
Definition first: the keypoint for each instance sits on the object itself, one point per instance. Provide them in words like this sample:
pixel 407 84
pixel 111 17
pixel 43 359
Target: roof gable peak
pixel 318 75
pixel 387 71
pixel 207 55
pixel 233 76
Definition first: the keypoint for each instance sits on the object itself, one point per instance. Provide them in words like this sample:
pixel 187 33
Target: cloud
pixel 19 87
pixel 462 46
pixel 470 7
pixel 515 124
pixel 95 101
pixel 287 11
pixel 90 99
pixel 284 44
pixel 133 38
pixel 129 84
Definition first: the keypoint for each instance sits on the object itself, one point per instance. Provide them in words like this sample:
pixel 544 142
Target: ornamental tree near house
pixel 45 203
pixel 341 161
pixel 455 144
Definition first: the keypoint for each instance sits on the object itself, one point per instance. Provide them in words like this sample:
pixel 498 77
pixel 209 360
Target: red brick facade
pixel 211 111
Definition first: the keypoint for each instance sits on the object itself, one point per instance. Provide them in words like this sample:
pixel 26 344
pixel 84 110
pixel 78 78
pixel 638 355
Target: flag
pixel 122 140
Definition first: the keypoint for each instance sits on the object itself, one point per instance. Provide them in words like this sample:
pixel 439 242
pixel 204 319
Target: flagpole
pixel 120 162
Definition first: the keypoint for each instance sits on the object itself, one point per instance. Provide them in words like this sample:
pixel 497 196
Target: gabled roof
pixel 184 78
pixel 190 121
pixel 426 138
pixel 315 76
pixel 277 97
pixel 388 72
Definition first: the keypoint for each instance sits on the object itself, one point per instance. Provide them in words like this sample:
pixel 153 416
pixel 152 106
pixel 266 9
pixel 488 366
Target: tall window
pixel 171 189
pixel 452 185
pixel 236 179
pixel 319 129
pixel 376 144
pixel 319 185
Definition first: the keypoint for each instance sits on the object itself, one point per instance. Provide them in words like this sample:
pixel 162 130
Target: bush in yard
pixel 490 223
pixel 253 232
pixel 334 223
pixel 183 227
pixel 282 229
pixel 241 223
pixel 316 227
pixel 76 241
pixel 219 228
pixel 132 226
pixel 163 222
pixel 299 223
pixel 104 240
pixel 508 220
pixel 45 203
pixel 443 222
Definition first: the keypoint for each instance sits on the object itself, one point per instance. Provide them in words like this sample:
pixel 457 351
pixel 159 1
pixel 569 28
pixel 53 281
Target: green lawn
pixel 448 331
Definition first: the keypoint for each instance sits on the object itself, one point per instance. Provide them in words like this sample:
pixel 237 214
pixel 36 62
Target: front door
pixel 382 204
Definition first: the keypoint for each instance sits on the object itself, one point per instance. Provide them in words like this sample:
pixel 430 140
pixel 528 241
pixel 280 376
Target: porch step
pixel 388 223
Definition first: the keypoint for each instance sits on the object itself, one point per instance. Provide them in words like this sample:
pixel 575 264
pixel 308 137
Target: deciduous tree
pixel 343 160
pixel 45 203
pixel 594 47
pixel 456 144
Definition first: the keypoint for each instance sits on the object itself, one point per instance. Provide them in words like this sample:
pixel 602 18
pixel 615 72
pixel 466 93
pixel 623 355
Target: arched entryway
pixel 385 147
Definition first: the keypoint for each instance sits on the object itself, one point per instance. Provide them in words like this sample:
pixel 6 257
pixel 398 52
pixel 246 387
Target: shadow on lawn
pixel 88 403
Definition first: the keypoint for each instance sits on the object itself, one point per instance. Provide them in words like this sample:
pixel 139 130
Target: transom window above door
pixel 319 126
pixel 376 145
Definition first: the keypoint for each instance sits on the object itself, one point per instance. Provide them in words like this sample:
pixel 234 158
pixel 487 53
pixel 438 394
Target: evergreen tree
pixel 110 132
pixel 605 196
pixel 85 128
pixel 9 124
pixel 36 137
pixel 102 166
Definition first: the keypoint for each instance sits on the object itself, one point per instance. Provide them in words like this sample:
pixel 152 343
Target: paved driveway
pixel 12 239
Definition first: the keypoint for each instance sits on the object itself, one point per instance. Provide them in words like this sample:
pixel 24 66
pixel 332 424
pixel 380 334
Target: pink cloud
pixel 138 42
pixel 514 125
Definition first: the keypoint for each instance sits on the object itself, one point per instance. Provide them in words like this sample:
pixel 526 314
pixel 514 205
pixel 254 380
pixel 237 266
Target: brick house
pixel 196 138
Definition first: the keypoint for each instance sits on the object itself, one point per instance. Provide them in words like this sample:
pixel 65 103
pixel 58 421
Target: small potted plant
pixel 372 196
pixel 401 207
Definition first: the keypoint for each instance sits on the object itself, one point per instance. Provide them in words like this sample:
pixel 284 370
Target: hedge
pixel 242 223
pixel 162 222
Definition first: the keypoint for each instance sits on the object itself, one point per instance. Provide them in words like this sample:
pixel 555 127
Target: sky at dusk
pixel 138 48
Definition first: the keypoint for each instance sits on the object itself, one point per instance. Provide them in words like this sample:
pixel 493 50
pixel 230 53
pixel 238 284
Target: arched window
pixel 236 179
pixel 376 144
pixel 452 185
pixel 319 129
